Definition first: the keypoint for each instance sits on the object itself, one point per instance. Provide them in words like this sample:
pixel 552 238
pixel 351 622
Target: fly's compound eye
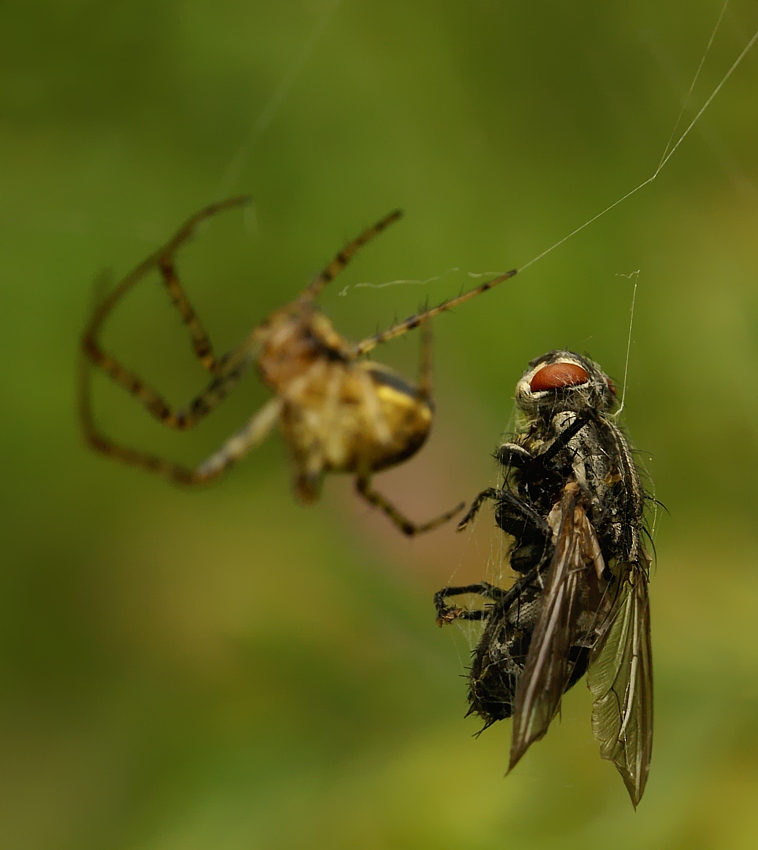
pixel 558 375
pixel 611 387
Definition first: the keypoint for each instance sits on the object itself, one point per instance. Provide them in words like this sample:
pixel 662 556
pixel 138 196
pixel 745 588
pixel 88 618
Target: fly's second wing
pixel 620 678
pixel 573 597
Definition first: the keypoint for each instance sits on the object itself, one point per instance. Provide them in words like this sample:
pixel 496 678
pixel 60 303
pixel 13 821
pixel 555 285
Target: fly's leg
pixel 516 457
pixel 501 598
pixel 531 533
pixel 519 519
pixel 446 613
pixel 489 493
pixel 513 456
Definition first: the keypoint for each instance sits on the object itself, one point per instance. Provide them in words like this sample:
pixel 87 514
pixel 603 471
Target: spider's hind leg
pixel 252 434
pixel 363 486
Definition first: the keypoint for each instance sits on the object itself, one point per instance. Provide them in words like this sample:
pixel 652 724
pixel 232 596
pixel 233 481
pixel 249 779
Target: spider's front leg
pixel 226 370
pixel 366 345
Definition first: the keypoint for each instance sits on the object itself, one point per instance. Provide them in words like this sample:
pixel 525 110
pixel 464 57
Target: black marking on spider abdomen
pixel 391 379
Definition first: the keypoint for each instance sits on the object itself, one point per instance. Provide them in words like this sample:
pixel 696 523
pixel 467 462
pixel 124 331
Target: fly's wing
pixel 620 678
pixel 576 566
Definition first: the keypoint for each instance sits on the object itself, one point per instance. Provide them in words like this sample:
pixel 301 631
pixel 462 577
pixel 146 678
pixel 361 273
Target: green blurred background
pixel 226 669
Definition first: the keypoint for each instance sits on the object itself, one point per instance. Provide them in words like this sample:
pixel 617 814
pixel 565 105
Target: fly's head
pixel 561 381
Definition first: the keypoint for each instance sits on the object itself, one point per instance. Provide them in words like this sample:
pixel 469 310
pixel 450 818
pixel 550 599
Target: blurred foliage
pixel 226 669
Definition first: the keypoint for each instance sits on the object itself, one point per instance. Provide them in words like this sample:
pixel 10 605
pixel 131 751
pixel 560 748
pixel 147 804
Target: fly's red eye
pixel 558 375
pixel 611 386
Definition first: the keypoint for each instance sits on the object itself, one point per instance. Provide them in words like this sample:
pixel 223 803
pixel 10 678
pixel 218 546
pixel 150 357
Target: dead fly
pixel 336 411
pixel 573 503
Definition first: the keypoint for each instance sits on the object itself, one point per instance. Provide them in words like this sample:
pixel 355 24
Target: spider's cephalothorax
pixel 336 411
pixel 573 503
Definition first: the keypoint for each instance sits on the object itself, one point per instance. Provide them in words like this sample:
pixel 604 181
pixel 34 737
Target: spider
pixel 336 411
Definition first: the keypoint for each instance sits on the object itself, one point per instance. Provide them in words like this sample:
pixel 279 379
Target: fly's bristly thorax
pixel 564 381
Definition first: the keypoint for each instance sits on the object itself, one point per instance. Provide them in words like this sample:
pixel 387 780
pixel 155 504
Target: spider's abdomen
pixel 352 417
pixel 402 421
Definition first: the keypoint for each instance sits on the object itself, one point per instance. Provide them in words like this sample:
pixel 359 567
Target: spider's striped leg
pixel 99 442
pixel 366 345
pixel 199 338
pixel 346 254
pixel 201 343
pixel 254 432
pixel 364 488
pixel 106 305
pixel 163 260
pixel 231 370
pixel 227 370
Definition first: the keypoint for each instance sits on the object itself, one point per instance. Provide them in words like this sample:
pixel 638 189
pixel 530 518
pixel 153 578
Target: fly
pixel 573 502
